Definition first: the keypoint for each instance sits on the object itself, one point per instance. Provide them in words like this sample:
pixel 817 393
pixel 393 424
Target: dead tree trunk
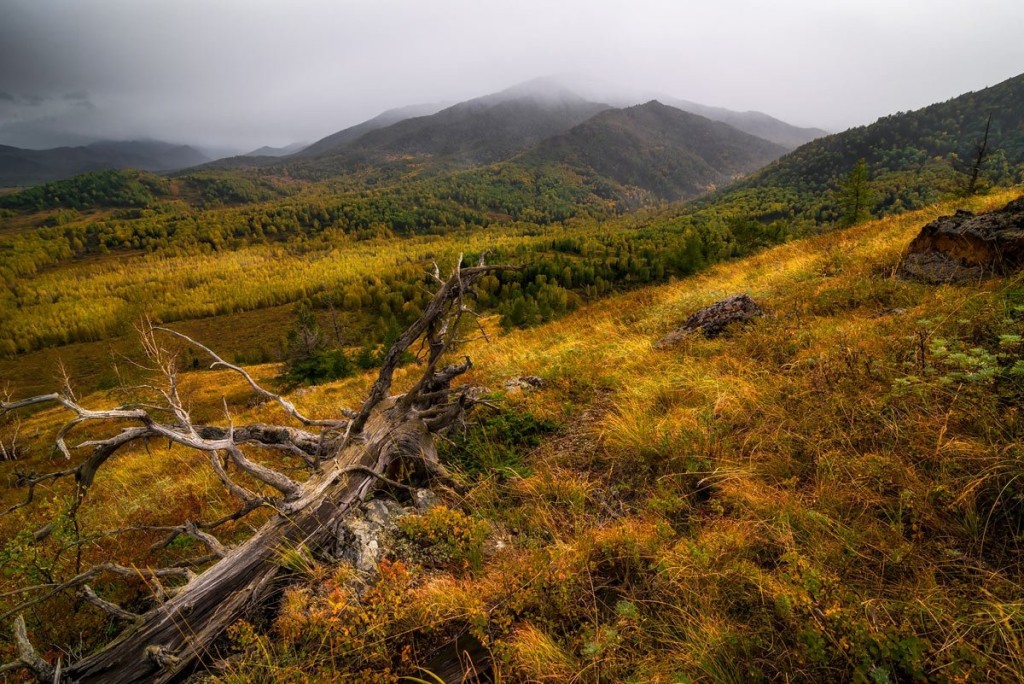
pixel 365 449
pixel 980 154
pixel 172 637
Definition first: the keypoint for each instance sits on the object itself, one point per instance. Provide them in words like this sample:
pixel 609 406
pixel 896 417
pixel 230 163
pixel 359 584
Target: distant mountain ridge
pixel 267 151
pixel 755 123
pixel 339 140
pixel 432 137
pixel 670 153
pixel 29 167
pixel 478 131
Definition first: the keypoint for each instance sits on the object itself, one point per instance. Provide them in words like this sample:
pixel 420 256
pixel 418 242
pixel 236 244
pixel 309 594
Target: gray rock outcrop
pixel 966 246
pixel 711 321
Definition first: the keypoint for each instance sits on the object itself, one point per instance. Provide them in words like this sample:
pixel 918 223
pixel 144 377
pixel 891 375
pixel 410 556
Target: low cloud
pixel 255 72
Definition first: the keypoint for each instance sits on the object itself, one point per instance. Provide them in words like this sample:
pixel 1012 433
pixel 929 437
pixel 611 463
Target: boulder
pixel 966 246
pixel 361 537
pixel 523 383
pixel 370 533
pixel 711 321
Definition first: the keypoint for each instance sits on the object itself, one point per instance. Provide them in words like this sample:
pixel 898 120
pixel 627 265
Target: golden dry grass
pixel 824 495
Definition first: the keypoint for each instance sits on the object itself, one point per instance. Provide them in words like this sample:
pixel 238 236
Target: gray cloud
pixel 253 72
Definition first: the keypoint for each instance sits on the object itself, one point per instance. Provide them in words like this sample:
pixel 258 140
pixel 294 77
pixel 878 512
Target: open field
pixel 831 493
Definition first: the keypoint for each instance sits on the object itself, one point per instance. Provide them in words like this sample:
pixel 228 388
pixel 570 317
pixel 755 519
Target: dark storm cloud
pixel 251 72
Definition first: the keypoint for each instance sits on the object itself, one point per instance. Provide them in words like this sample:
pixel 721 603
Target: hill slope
pixel 30 167
pixel 919 142
pixel 754 123
pixel 671 153
pixel 338 141
pixel 267 151
pixel 833 493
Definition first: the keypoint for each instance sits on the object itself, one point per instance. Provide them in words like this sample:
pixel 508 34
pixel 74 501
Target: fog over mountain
pixel 242 75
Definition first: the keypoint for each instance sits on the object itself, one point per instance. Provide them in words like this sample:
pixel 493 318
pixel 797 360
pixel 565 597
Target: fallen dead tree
pixel 347 457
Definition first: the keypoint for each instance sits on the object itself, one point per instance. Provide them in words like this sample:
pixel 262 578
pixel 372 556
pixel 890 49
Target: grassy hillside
pixel 82 260
pixel 832 493
pixel 87 276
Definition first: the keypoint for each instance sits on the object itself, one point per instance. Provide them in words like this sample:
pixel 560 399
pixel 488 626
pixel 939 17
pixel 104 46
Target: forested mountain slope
pixel 663 150
pixel 912 157
pixel 472 133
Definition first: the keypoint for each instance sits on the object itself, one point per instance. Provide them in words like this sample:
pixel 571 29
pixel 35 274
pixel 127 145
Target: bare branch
pixel 10 452
pixel 42 670
pixel 289 408
pixel 31 481
pixel 236 489
pixel 211 542
pixel 245 510
pixel 269 476
pixel 11 667
pixel 288 440
pixel 111 568
pixel 434 312
pixel 83 414
pixel 117 611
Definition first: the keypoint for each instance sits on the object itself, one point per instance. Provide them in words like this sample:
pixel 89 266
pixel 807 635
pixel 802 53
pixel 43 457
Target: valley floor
pixel 832 493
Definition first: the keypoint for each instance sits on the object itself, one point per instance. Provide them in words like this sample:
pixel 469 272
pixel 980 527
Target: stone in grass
pixel 712 320
pixel 364 537
pixel 523 383
pixel 966 247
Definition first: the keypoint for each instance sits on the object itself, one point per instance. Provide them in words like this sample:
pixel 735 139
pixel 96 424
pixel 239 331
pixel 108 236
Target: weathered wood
pixel 190 622
pixel 350 458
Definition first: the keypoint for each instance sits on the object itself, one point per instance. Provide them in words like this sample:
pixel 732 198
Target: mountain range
pixel 579 154
pixel 30 167
pixel 267 151
pixel 344 137
pixel 481 131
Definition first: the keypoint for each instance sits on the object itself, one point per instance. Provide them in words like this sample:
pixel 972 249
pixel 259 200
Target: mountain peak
pixel 543 90
pixel 479 131
pixel 662 150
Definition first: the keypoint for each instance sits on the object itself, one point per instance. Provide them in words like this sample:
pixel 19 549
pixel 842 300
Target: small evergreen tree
pixel 855 195
pixel 309 361
pixel 305 338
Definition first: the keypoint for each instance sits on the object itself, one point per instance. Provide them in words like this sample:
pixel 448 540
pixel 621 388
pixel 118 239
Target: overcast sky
pixel 245 73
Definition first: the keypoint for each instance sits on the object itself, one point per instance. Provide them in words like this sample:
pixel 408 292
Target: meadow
pixel 832 493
